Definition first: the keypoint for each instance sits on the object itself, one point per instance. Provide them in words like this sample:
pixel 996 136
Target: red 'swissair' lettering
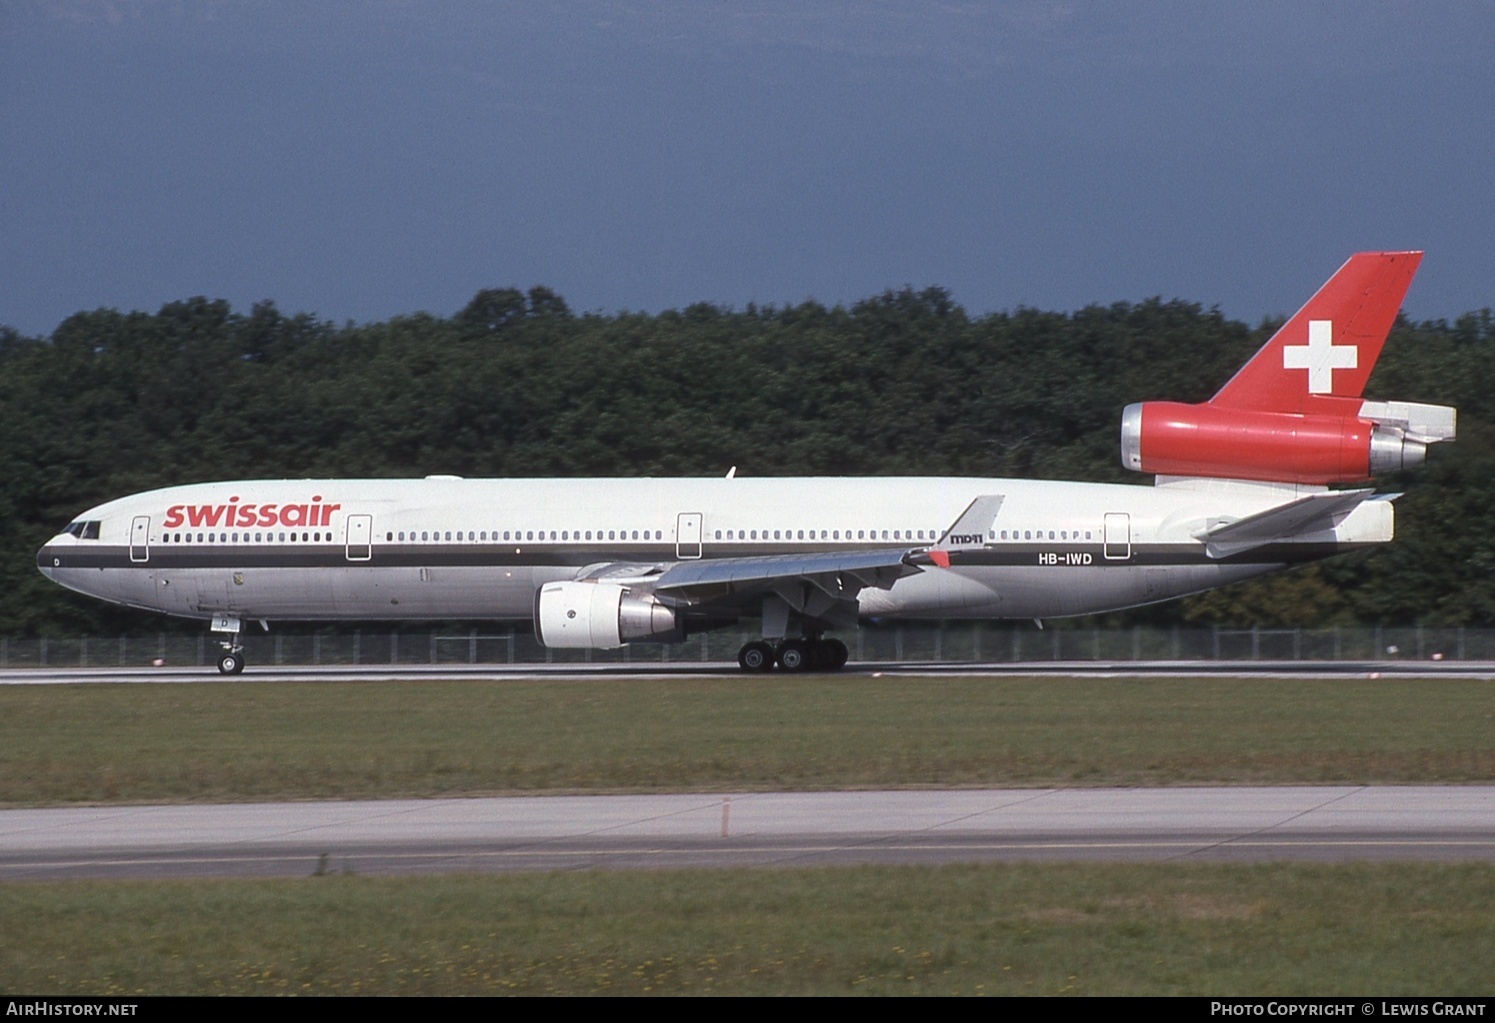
pixel 234 514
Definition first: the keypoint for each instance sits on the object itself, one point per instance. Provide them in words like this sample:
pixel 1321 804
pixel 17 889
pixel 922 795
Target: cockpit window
pixel 83 530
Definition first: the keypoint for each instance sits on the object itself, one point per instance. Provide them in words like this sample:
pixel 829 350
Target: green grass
pixel 1282 929
pixel 363 740
pixel 993 929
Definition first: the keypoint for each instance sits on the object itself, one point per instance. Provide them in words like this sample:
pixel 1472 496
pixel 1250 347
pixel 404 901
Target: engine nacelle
pixel 1174 439
pixel 602 616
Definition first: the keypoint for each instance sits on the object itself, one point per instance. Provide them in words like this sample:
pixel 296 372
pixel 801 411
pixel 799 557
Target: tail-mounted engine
pixel 602 616
pixel 1174 439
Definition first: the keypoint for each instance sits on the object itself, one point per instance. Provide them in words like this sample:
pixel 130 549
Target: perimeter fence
pixel 948 642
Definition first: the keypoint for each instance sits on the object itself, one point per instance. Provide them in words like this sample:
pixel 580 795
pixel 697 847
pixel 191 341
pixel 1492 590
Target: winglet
pixel 967 532
pixel 970 529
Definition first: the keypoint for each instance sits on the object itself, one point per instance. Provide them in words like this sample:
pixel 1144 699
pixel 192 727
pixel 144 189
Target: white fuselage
pixel 447 548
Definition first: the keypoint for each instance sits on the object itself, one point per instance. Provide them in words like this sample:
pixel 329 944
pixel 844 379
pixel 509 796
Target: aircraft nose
pixel 47 561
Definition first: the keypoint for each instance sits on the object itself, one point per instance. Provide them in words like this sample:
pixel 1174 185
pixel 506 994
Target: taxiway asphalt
pixel 1315 823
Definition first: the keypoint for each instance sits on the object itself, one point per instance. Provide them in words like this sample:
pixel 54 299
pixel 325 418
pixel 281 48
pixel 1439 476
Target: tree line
pixel 516 384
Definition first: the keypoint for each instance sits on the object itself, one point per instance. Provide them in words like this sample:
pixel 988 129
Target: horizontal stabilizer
pixel 1311 514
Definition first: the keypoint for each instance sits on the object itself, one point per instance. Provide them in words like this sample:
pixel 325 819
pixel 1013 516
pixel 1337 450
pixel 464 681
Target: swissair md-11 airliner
pixel 1245 483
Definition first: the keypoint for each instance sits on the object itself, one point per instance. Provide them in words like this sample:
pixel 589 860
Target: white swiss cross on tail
pixel 1320 356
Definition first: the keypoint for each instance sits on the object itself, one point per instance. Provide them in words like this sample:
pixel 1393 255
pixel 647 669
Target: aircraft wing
pixel 837 572
pixel 821 586
pixel 1310 514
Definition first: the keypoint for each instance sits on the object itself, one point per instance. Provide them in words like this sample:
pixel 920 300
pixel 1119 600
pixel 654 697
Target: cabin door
pixel 1118 536
pixel 360 530
pixel 140 539
pixel 688 535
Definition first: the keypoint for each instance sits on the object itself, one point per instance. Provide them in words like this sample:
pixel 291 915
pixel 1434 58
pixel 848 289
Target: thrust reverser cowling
pixel 601 616
pixel 1174 439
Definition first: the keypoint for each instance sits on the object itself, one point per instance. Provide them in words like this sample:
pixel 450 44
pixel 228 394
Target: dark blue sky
pixel 361 159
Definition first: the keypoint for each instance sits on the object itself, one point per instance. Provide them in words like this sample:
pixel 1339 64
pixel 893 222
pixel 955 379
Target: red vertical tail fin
pixel 1294 413
pixel 1325 353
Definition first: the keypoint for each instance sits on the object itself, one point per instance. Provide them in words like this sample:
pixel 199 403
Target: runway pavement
pixel 687 669
pixel 1332 824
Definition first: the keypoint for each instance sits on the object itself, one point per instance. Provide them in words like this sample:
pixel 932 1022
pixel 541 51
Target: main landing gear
pixel 793 655
pixel 231 661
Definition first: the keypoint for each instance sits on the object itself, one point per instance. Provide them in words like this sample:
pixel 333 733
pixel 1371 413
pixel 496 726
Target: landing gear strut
pixel 231 661
pixel 797 655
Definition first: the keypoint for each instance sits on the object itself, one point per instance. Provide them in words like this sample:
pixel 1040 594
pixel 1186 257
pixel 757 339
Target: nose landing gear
pixel 231 661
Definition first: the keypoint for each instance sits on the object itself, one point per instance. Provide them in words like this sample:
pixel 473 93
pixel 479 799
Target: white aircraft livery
pixel 1248 482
